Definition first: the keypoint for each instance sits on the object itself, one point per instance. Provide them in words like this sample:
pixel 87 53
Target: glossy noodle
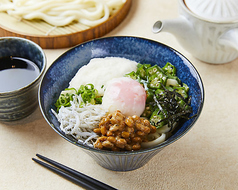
pixel 62 12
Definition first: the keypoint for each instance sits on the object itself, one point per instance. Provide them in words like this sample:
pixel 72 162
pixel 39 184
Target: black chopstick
pixel 73 175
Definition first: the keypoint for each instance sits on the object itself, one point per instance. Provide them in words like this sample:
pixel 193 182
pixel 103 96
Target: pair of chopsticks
pixel 72 175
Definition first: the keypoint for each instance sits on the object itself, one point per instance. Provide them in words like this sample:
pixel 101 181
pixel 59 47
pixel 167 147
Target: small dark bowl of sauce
pixel 22 64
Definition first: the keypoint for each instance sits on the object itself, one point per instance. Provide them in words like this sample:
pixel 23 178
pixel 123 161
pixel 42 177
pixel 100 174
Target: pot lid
pixel 214 10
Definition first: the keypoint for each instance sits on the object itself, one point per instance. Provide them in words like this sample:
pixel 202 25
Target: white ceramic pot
pixel 208 29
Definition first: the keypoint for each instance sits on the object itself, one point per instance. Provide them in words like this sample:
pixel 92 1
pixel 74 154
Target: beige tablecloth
pixel 205 158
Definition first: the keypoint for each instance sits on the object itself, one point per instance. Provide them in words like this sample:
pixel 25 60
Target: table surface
pixel 205 158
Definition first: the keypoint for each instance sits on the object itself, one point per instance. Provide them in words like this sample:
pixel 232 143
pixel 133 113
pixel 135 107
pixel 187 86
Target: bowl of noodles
pixel 121 99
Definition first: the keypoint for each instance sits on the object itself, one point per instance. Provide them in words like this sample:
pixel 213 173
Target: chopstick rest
pixel 72 175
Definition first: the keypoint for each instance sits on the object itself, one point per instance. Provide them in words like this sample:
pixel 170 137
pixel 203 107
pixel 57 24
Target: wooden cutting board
pixel 50 37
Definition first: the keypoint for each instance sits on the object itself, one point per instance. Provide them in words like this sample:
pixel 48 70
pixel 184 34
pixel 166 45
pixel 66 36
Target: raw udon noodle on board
pixel 62 12
pixel 139 106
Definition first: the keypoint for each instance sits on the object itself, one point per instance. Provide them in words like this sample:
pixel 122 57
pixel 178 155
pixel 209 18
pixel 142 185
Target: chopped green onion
pixel 87 92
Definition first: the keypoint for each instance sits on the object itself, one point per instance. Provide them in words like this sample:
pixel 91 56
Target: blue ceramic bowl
pixel 141 50
pixel 19 103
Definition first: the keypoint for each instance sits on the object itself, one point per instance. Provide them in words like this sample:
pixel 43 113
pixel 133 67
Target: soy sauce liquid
pixel 16 72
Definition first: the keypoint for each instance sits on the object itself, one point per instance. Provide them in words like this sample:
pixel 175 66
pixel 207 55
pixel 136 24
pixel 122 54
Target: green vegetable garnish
pixel 167 98
pixel 65 97
pixel 171 108
pixel 169 69
pixel 88 93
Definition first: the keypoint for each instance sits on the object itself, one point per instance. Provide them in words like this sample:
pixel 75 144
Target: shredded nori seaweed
pixel 169 105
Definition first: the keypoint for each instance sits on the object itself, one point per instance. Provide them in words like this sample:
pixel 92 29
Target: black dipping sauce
pixel 16 72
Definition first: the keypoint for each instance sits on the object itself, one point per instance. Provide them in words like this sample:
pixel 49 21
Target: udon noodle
pixel 130 113
pixel 62 12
